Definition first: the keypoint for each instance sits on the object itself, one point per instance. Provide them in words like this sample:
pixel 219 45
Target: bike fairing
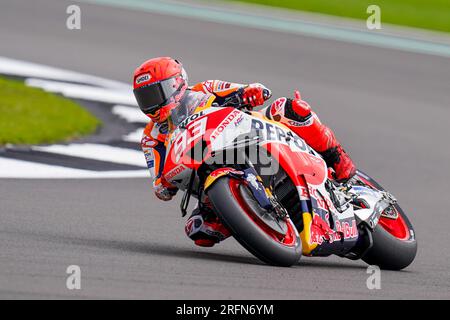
pixel 271 133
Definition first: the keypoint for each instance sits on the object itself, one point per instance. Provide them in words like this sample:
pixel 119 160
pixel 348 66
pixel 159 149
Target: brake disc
pixel 269 218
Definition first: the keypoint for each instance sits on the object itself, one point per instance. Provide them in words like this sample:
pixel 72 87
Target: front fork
pixel 263 195
pixel 250 177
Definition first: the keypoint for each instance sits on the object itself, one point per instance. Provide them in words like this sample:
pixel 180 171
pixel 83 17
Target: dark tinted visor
pixel 152 97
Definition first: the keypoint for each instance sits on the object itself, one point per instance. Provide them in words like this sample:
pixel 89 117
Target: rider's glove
pixel 301 108
pixel 254 95
pixel 164 192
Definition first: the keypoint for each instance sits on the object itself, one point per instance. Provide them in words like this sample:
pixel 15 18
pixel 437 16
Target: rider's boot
pixel 298 116
pixel 205 228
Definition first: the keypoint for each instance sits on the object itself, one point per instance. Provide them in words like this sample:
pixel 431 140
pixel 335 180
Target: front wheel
pixel 273 240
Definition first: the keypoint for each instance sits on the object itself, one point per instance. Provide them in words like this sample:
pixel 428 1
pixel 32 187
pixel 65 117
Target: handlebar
pixel 236 101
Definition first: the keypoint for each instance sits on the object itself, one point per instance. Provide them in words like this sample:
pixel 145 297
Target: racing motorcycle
pixel 275 193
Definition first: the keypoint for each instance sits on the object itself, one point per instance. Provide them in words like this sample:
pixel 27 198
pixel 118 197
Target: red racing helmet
pixel 159 85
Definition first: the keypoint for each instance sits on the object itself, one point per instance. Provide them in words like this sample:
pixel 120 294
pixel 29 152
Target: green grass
pixel 32 116
pixel 427 14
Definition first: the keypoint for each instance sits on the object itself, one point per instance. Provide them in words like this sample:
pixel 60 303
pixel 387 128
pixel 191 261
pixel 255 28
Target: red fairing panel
pixel 298 164
pixel 198 126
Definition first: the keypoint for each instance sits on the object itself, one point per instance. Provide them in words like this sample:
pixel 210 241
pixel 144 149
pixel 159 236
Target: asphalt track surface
pixel 390 108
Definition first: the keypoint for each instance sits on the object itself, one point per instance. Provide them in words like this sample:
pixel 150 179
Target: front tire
pixel 230 199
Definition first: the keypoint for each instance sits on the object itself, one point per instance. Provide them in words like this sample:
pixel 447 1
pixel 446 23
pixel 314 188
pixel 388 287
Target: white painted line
pixel 95 89
pixel 11 168
pixel 34 70
pixel 77 91
pixel 98 152
pixel 135 136
pixel 130 114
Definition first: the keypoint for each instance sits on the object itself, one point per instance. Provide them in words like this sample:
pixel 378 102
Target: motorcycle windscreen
pixel 187 107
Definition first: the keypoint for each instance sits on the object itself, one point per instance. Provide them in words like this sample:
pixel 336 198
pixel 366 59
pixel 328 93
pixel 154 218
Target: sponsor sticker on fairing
pixel 174 172
pixel 143 78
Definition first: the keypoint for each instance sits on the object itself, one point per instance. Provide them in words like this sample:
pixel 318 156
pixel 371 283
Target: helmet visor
pixel 152 97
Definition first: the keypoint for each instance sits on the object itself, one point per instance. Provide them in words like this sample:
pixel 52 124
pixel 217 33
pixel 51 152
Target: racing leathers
pixel 203 226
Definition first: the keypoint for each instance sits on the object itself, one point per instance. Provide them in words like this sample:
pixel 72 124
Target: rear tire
pixel 391 250
pixel 224 195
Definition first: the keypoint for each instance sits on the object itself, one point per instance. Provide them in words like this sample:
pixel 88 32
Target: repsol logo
pixel 272 132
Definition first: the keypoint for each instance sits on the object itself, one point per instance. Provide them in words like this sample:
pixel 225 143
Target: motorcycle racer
pixel 161 86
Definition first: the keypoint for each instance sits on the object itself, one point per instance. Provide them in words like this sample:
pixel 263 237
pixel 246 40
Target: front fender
pixel 218 173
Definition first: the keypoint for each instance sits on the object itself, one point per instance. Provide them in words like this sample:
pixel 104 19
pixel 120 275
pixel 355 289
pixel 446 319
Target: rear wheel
pixel 394 240
pixel 273 240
